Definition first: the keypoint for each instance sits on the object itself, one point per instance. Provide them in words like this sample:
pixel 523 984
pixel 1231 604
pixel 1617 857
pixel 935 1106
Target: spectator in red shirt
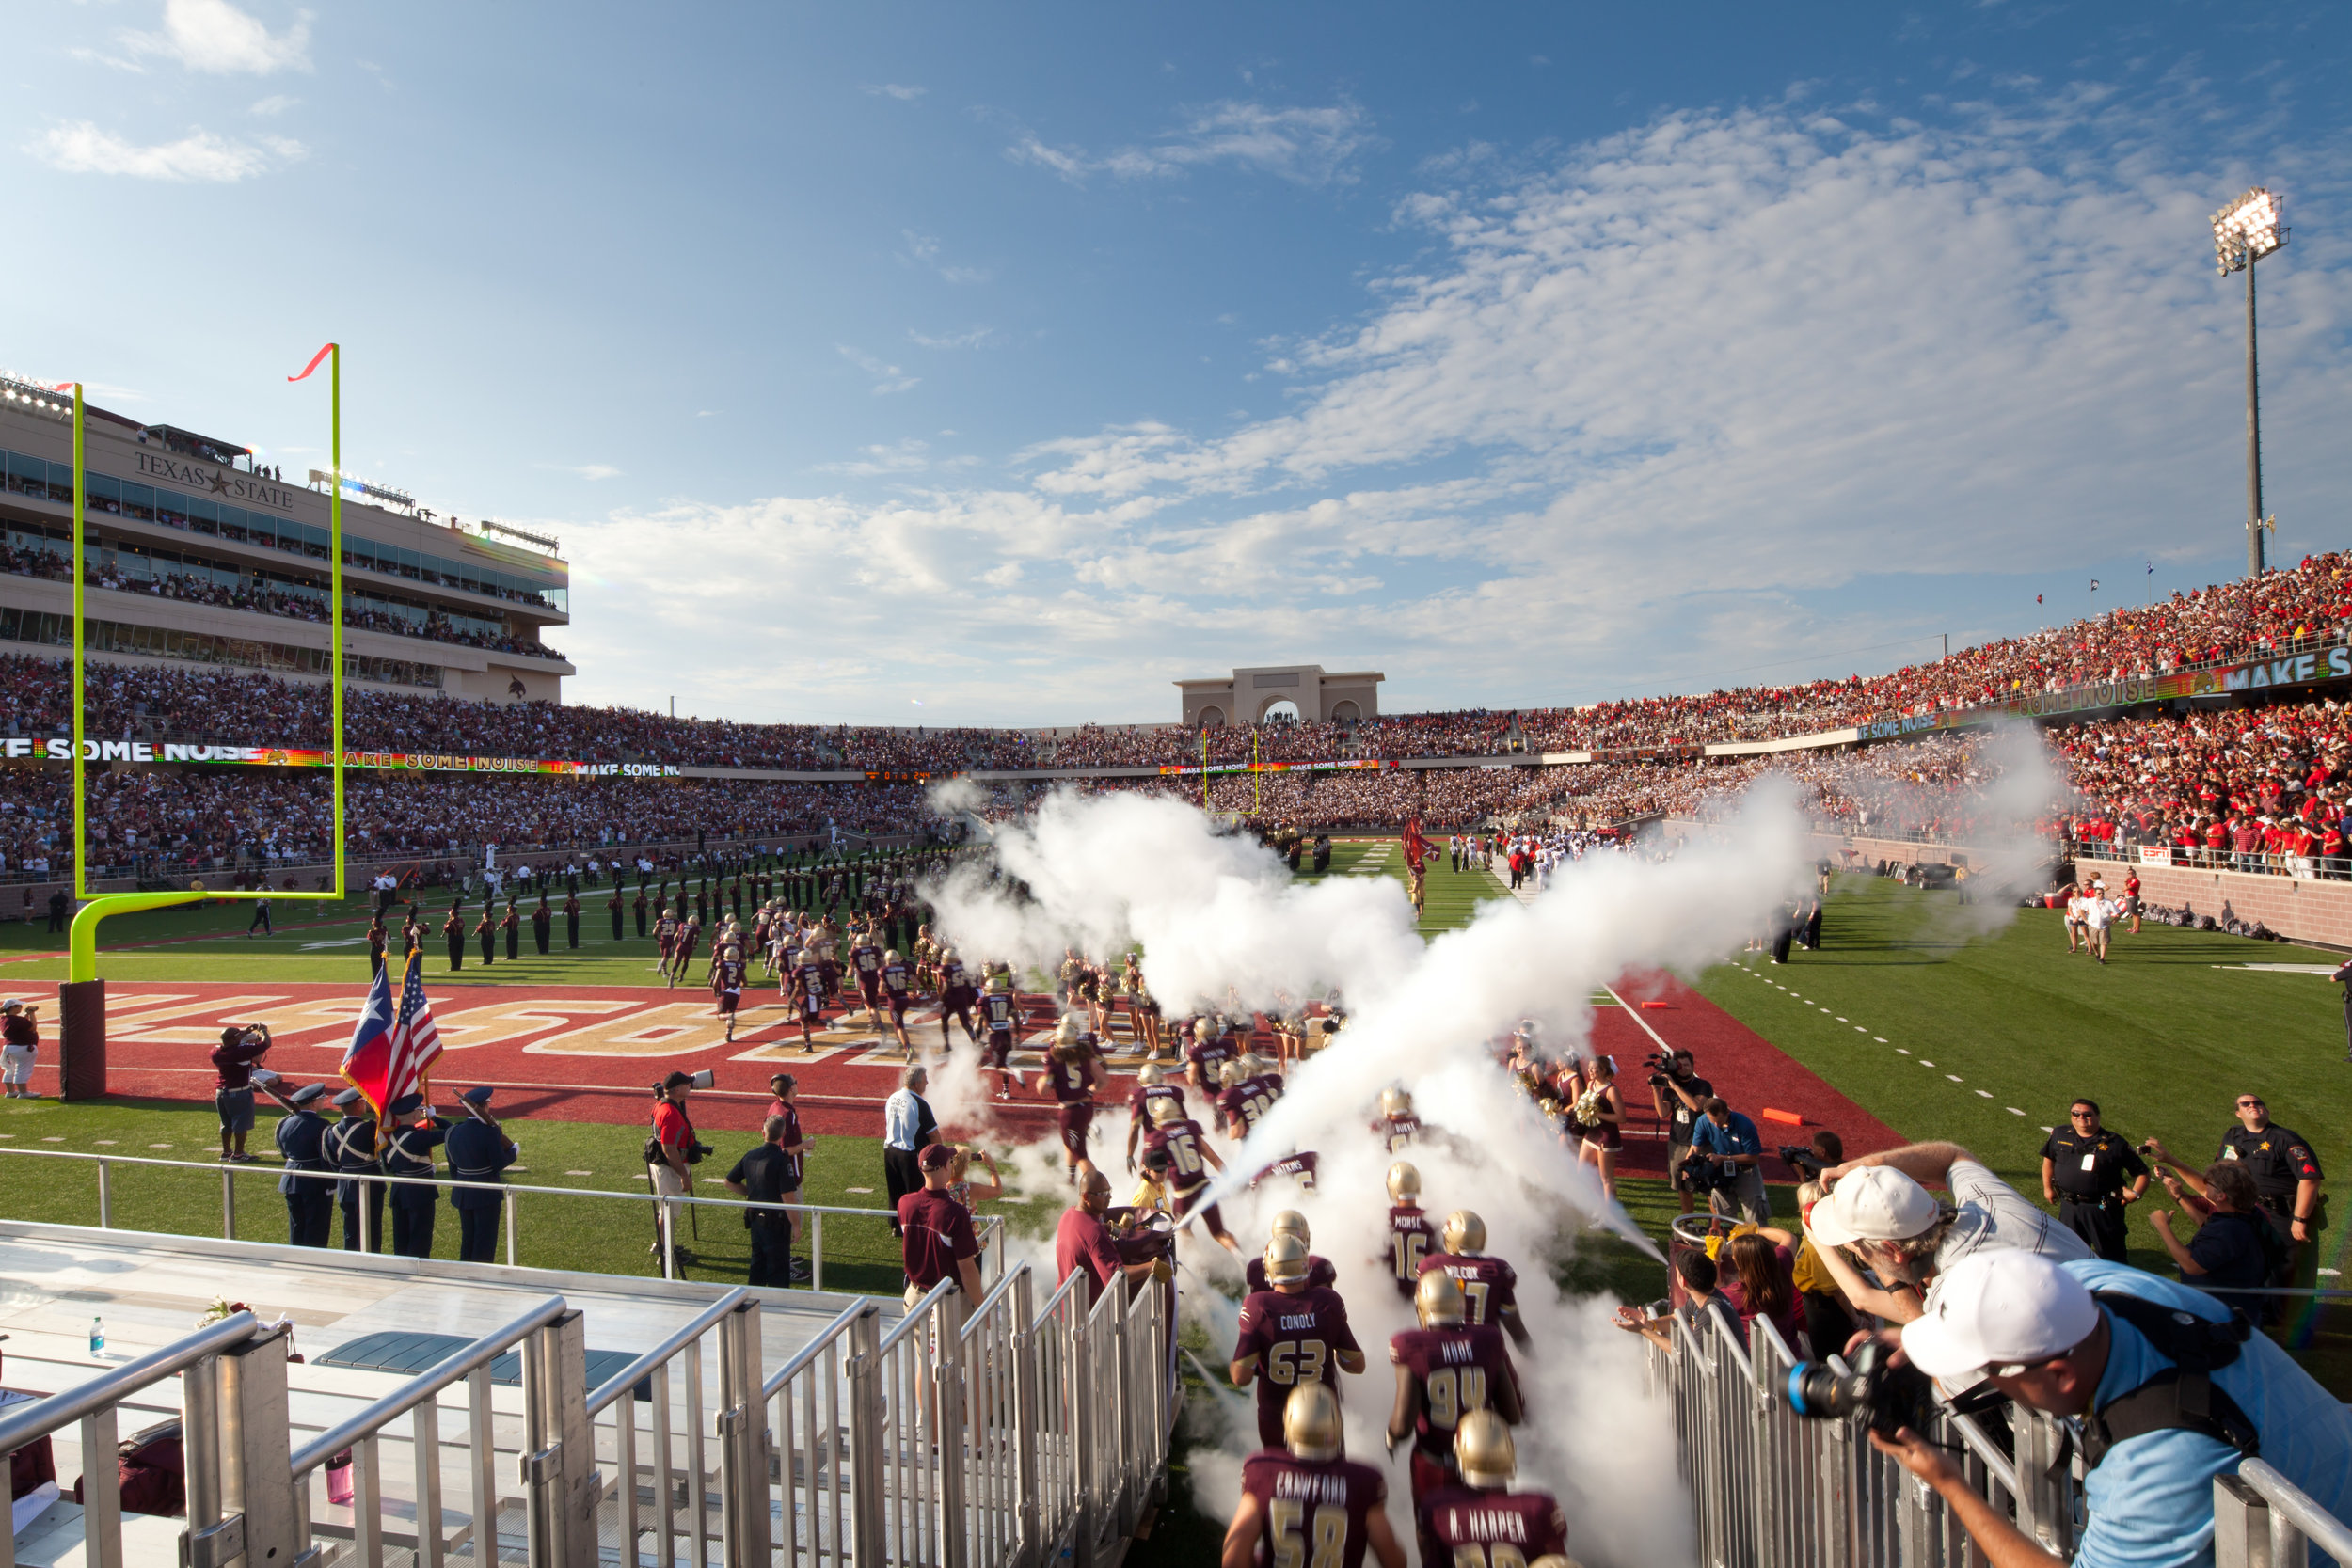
pixel 1084 1240
pixel 938 1241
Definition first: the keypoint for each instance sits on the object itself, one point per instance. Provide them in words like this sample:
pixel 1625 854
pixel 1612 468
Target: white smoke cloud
pixel 1219 918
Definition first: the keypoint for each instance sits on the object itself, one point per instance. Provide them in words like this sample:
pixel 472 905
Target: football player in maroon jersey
pixel 956 995
pixel 1444 1368
pixel 1207 1057
pixel 1303 1503
pixel 1072 1073
pixel 1000 1012
pixel 726 984
pixel 898 984
pixel 1489 1285
pixel 1412 1237
pixel 665 937
pixel 1290 1222
pixel 1397 1125
pixel 1190 1161
pixel 1482 1522
pixel 1293 1332
pixel 808 992
pixel 1151 1085
pixel 865 962
pixel 1248 1095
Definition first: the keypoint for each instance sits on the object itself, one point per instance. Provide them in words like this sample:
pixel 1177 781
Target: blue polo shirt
pixel 1739 1137
pixel 2151 1501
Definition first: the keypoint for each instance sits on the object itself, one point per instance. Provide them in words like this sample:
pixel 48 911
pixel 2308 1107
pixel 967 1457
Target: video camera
pixel 1662 1068
pixel 1802 1160
pixel 1893 1397
pixel 1703 1173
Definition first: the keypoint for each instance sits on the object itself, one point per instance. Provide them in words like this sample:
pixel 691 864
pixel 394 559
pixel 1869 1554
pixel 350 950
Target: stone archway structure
pixel 1320 694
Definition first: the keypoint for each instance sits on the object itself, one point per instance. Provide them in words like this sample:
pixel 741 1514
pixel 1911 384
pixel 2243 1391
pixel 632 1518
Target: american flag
pixel 415 1041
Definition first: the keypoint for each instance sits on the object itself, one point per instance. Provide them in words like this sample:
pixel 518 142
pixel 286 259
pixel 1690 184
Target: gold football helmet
pixel 1404 1182
pixel 1285 1259
pixel 1464 1232
pixel 1201 1030
pixel 1166 1108
pixel 1437 1300
pixel 1482 1447
pixel 1149 1076
pixel 1395 1102
pixel 1290 1222
pixel 1251 1064
pixel 1311 1422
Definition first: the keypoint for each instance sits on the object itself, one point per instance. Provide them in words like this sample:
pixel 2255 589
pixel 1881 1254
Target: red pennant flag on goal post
pixel 325 350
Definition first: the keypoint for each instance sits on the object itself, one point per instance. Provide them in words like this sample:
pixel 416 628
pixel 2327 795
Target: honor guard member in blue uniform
pixel 409 1152
pixel 302 1142
pixel 351 1144
pixel 479 1150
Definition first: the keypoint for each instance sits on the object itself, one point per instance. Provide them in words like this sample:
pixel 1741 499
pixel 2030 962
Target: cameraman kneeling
pixel 2170 1388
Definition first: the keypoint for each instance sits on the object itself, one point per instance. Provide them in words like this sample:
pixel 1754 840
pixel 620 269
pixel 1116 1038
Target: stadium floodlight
pixel 2244 232
pixel 74 1003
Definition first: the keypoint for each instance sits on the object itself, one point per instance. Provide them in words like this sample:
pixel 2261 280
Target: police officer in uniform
pixel 409 1152
pixel 2091 1174
pixel 302 1143
pixel 351 1144
pixel 478 1151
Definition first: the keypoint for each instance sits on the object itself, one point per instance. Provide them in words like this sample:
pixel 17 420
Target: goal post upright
pixel 82 940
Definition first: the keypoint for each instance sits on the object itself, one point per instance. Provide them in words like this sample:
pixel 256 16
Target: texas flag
pixel 367 1063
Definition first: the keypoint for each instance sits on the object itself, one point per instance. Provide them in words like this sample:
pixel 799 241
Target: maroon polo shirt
pixel 1083 1242
pixel 938 1232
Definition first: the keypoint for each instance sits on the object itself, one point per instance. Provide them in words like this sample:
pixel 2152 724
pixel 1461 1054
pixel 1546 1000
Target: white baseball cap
pixel 1998 1309
pixel 1877 1203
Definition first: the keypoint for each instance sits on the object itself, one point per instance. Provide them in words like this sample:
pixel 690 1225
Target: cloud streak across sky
pixel 1657 387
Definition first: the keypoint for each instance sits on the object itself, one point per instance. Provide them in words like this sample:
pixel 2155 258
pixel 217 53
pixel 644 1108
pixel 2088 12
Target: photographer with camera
pixel 2092 1174
pixel 2169 1387
pixel 2236 1248
pixel 1726 1141
pixel 671 1154
pixel 1680 1097
pixel 1877 1215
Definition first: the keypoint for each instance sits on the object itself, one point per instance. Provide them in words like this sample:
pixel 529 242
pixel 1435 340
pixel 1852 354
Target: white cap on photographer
pixel 1877 1203
pixel 1999 1311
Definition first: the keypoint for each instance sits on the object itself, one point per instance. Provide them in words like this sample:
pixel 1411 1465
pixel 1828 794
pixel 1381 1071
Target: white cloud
pixel 1628 416
pixel 1308 146
pixel 81 147
pixel 894 90
pixel 904 457
pixel 216 37
pixel 979 337
pixel 888 378
pixel 924 251
pixel 277 103
pixel 591 472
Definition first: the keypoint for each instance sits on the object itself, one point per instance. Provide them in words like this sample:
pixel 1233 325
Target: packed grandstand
pixel 2255 785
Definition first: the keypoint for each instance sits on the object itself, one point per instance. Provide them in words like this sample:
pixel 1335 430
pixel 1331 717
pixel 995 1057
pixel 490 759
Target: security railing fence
pixel 989 1439
pixel 809 1219
pixel 1774 1489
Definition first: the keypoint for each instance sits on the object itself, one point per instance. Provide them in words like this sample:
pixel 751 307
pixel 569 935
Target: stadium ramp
pixel 720 1425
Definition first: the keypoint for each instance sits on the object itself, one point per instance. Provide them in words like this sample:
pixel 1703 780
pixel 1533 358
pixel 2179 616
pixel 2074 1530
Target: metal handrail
pixel 987 1303
pixel 1053 1303
pixel 457 1364
pixel 47 1415
pixel 694 1328
pixel 2299 1508
pixel 916 1314
pixel 801 1359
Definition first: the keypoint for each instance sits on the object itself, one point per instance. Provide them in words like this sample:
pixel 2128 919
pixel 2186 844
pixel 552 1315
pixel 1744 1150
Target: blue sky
pixel 992 364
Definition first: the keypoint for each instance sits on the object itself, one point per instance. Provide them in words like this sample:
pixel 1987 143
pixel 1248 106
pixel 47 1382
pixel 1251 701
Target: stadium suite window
pixel 53 482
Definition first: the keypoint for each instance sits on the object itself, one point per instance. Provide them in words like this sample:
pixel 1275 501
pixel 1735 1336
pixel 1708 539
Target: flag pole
pixel 335 591
pixel 81 805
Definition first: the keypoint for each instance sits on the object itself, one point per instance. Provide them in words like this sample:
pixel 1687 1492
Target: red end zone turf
pixel 591 1054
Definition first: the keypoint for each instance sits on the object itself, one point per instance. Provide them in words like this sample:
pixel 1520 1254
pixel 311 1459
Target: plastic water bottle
pixel 97 1335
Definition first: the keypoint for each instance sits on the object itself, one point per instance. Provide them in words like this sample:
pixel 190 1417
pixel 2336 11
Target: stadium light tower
pixel 2244 232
